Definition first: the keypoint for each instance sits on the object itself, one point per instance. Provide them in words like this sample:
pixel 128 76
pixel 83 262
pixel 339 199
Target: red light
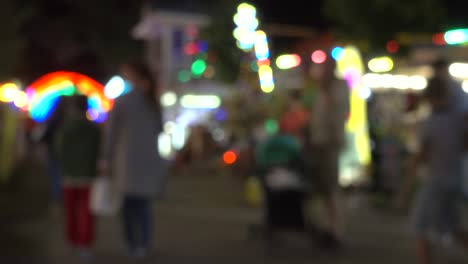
pixel 319 56
pixel 438 39
pixel 392 46
pixel 261 63
pixel 190 49
pixel 229 157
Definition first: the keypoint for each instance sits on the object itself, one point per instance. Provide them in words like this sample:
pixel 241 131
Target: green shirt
pixel 78 148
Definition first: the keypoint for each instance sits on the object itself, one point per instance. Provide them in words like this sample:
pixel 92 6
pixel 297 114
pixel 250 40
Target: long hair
pixel 143 71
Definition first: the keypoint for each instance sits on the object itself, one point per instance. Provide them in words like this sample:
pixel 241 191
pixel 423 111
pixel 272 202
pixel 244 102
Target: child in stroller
pixel 282 171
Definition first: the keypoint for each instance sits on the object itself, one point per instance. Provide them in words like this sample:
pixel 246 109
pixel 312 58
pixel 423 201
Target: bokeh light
pixel 459 70
pixel 271 126
pixel 92 114
pixel 261 63
pixel 198 67
pixel 168 99
pixel 381 64
pixel 266 79
pixel 184 76
pixel 229 157
pixel 456 36
pixel 8 92
pixel 246 22
pixel 262 51
pixel 190 48
pixel 337 53
pixel 202 46
pixel 403 82
pixel 465 86
pixel 209 72
pixel 21 99
pixel 318 56
pixel 200 101
pixel 288 61
pixel 439 39
pixel 115 87
pixel 392 46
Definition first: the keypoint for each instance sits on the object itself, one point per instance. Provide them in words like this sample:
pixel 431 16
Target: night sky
pixel 294 12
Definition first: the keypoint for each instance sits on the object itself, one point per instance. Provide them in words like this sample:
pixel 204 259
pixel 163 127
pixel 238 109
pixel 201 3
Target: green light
pixel 184 76
pixel 198 67
pixel 254 66
pixel 271 126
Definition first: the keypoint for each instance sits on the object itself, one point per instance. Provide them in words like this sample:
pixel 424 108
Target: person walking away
pixel 52 125
pixel 78 150
pixel 131 151
pixel 442 148
pixel 327 135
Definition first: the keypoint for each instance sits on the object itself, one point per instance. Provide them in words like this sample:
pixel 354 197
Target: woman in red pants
pixel 78 147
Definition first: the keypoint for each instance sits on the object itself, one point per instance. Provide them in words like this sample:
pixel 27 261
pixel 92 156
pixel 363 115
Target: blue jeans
pixel 137 222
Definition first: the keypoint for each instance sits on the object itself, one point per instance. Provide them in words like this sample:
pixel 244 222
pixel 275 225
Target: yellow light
pixel 381 64
pixel 21 100
pixel 200 101
pixel 288 61
pixel 351 62
pixel 8 92
pixel 247 10
pixel 268 88
pixel 265 74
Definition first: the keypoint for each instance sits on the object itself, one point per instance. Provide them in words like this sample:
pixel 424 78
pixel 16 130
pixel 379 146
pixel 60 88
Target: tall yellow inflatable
pixel 350 67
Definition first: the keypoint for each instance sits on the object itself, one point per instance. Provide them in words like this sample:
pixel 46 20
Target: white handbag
pixel 104 200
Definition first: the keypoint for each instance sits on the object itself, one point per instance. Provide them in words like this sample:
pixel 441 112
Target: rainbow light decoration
pixel 46 91
pixel 351 68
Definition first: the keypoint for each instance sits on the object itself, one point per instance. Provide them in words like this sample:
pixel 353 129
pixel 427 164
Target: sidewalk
pixel 204 221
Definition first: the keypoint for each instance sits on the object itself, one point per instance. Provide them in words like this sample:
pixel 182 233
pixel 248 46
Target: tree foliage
pixel 78 35
pixel 221 41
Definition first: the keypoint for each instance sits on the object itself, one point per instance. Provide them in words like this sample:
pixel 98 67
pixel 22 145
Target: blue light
pixel 45 107
pixel 202 46
pixel 338 53
pixel 221 115
pixel 101 117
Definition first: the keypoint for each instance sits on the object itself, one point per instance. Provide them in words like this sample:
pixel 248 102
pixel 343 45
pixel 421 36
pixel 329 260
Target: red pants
pixel 79 221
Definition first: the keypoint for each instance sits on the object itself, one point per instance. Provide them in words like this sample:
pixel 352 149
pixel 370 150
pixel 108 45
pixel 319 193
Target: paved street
pixel 205 221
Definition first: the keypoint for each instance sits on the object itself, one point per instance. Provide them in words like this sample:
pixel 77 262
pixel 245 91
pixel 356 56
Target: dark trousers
pixel 137 222
pixel 55 177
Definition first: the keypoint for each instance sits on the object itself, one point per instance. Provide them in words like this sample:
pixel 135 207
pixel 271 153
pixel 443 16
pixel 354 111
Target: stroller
pixel 282 171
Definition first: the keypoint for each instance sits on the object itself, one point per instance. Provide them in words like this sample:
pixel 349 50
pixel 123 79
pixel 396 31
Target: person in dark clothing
pixel 54 173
